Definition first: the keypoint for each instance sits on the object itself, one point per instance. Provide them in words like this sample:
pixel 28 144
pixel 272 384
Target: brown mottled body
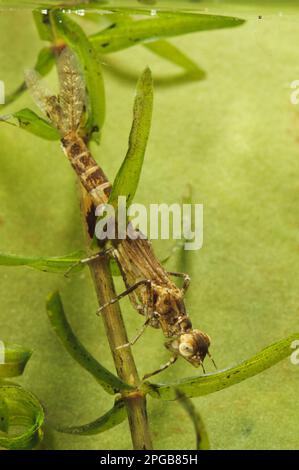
pixel 91 176
pixel 156 295
pixel 138 262
pixel 135 258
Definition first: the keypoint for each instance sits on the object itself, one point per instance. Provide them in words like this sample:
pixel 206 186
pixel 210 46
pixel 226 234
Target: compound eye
pixel 186 350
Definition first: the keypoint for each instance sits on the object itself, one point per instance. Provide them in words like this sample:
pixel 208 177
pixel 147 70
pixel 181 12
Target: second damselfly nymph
pixel 149 286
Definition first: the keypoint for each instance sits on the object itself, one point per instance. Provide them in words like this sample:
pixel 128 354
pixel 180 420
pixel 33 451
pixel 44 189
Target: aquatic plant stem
pixel 123 358
pixel 135 401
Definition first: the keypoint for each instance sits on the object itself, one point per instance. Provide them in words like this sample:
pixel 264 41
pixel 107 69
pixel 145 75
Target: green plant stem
pixel 135 401
pixel 123 359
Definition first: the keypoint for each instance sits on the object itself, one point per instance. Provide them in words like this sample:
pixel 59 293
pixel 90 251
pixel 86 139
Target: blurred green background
pixel 235 138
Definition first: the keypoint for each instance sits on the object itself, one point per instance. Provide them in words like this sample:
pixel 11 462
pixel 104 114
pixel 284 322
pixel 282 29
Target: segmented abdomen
pixel 90 174
pixel 135 257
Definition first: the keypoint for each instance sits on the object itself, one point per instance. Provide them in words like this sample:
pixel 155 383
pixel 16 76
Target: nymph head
pixel 192 346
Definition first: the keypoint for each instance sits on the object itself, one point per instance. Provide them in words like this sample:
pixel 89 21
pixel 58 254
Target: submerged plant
pixel 21 414
pixel 128 390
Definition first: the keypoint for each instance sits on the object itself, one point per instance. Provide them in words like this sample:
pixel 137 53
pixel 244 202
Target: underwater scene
pixel 149 243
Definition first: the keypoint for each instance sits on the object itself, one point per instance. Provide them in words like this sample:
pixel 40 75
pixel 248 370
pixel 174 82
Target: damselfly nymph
pixel 148 285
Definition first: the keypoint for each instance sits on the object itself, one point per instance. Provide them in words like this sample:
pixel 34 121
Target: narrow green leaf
pixel 58 264
pixel 45 61
pixel 127 178
pixel 43 66
pixel 75 37
pixel 210 383
pixel 168 51
pixel 62 328
pixel 13 360
pixel 202 438
pixel 164 24
pixel 25 417
pixel 164 49
pixel 109 420
pixel 31 122
pixel 4 415
pixel 42 23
